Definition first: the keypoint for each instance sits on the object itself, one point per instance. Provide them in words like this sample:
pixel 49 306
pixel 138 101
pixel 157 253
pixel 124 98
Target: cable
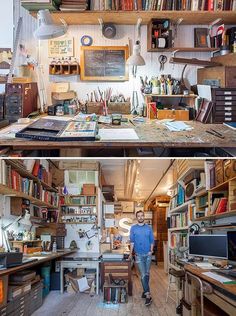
pixel 170 165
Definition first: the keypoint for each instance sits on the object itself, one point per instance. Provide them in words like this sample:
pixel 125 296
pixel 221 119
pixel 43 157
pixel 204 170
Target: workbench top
pixel 36 260
pixel 151 134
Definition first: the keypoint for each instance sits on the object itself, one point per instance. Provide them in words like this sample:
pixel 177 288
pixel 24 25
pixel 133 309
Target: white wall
pixel 6 27
pixel 185 38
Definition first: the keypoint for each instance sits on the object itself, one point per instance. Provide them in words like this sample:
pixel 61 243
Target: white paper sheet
pixel 177 126
pixel 10 131
pixel 217 277
pixel 117 134
pixel 83 284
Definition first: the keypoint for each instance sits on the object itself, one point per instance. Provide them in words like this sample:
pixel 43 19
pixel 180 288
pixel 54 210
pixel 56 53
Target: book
pixel 222 206
pixel 214 206
pixel 230 124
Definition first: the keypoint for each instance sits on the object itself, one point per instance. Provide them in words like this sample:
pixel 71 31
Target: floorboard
pixel 56 304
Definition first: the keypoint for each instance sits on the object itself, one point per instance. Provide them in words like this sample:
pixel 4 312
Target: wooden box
pixel 225 74
pixel 229 169
pixel 219 170
pixel 113 107
pixel 89 189
pixel 61 96
pixel 178 115
pixel 3 290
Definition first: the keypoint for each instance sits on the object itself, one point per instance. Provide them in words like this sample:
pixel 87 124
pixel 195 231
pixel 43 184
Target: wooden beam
pixel 193 61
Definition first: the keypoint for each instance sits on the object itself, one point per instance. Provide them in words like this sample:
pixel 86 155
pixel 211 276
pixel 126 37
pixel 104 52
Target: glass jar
pixel 60 110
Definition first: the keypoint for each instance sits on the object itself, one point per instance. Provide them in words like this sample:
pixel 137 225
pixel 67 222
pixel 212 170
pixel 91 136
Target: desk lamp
pixel 25 220
pixel 47 29
pixel 136 60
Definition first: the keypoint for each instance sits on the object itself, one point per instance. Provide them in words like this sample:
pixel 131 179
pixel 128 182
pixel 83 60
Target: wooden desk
pixel 223 295
pixel 151 134
pixel 41 259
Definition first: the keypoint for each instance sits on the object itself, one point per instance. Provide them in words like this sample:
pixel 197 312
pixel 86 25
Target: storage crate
pixel 114 294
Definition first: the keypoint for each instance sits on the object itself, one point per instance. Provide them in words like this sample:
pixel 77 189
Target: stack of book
pixel 52 5
pixel 162 5
pixel 74 5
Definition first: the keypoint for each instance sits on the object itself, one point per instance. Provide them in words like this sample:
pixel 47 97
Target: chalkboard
pixel 99 63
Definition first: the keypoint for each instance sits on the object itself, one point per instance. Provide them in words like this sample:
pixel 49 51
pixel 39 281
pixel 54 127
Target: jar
pixel 60 110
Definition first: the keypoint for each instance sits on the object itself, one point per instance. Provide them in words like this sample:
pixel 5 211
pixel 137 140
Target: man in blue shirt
pixel 142 241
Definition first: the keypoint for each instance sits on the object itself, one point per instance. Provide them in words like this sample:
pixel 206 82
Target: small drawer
pixel 226 92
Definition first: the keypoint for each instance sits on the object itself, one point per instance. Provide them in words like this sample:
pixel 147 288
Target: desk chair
pixel 175 275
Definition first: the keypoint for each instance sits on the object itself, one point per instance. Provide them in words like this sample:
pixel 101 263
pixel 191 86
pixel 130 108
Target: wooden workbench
pixel 223 295
pixel 151 134
pixel 41 259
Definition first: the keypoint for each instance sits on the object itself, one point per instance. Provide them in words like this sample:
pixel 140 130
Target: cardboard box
pixel 89 189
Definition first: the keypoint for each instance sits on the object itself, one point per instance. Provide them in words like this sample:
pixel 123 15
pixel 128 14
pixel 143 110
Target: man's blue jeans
pixel 144 264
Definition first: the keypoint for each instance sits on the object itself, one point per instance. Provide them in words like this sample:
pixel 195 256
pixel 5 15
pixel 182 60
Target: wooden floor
pixel 57 304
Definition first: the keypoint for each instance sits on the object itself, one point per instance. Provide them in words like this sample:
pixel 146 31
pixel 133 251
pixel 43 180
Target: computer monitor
pixel 231 237
pixel 213 246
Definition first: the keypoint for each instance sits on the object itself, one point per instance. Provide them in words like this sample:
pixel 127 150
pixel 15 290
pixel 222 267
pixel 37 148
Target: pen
pixel 214 134
pixel 132 122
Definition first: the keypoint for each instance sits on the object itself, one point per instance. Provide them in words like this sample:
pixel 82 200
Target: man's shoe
pixel 143 295
pixel 148 301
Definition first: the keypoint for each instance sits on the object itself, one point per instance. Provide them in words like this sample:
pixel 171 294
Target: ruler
pixel 15 47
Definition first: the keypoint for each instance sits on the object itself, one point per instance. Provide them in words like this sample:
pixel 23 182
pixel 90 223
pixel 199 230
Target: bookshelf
pixel 20 168
pixel 78 209
pixel 131 17
pixel 5 190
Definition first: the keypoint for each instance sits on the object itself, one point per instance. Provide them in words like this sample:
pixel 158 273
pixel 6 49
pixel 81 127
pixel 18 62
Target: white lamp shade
pixel 26 219
pixel 47 29
pixel 136 59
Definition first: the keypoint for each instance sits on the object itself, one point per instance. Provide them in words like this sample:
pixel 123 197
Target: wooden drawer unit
pixel 224 105
pixel 119 270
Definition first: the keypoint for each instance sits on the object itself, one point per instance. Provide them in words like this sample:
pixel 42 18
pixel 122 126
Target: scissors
pixel 162 60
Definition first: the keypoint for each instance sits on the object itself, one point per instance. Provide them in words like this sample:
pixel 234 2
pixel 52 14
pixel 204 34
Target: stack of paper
pixel 177 126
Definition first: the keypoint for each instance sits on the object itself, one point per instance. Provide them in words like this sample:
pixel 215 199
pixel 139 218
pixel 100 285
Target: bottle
pixel 54 247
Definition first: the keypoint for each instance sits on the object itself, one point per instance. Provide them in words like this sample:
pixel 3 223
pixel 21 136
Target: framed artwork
pixel 200 37
pixel 127 206
pixel 104 63
pixel 61 47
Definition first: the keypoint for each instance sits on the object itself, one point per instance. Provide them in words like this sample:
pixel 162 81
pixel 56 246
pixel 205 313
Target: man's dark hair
pixel 140 211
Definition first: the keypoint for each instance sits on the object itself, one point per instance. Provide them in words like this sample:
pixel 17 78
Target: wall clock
pixel 127 206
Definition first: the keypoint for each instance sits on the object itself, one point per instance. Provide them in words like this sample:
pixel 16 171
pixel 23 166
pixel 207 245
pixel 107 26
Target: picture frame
pixel 201 37
pixel 58 48
pixel 104 63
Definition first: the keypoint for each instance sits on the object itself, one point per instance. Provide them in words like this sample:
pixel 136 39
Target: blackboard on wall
pixel 104 63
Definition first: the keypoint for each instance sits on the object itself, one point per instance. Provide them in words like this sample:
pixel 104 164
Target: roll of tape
pixel 86 40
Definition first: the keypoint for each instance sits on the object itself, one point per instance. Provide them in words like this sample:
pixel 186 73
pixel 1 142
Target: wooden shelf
pixel 76 195
pixel 78 223
pixel 215 216
pixel 131 17
pixel 73 214
pixel 25 173
pixel 171 96
pixel 178 228
pixel 222 187
pixel 78 205
pixel 183 49
pixel 219 227
pixel 182 208
pixel 4 190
